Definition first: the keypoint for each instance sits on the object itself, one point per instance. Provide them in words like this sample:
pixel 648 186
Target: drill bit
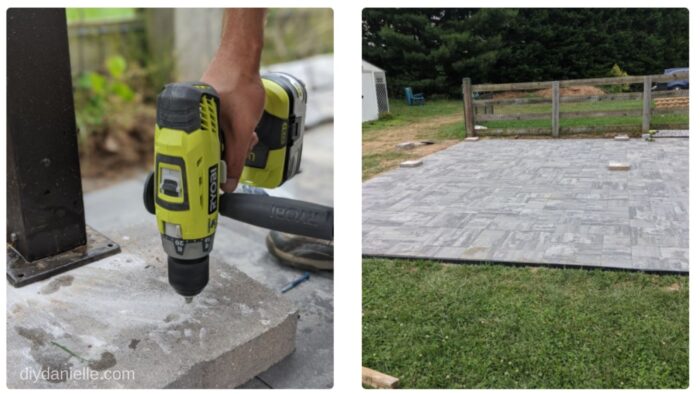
pixel 188 300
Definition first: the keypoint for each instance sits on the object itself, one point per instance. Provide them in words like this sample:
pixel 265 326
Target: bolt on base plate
pixel 21 272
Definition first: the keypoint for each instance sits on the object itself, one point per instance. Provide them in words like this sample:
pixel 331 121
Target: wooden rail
pixel 579 99
pixel 482 109
pixel 504 87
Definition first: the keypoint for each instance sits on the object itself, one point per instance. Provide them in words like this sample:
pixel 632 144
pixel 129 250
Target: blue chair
pixel 413 98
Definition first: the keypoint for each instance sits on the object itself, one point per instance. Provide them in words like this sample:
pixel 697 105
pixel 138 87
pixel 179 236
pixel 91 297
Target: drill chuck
pixel 188 277
pixel 189 274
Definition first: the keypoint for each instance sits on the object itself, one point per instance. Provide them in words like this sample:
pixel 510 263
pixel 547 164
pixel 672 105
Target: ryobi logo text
pixel 213 187
pixel 307 217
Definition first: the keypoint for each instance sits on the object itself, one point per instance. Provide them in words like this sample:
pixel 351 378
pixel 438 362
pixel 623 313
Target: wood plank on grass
pixel 378 380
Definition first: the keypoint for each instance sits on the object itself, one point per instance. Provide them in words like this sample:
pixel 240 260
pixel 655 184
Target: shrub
pixel 616 71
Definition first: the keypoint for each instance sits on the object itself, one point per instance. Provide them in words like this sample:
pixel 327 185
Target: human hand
pixel 242 99
pixel 234 73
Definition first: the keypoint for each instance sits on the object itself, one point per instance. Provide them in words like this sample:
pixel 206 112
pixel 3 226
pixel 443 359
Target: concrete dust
pixel 134 343
pixel 106 361
pixel 36 336
pixel 57 283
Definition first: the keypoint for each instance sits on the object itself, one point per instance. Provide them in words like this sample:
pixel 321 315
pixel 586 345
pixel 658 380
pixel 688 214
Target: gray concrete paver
pixel 537 201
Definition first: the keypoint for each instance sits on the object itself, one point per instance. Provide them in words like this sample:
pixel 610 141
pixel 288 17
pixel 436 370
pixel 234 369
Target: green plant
pixel 651 138
pixel 98 94
pixel 616 71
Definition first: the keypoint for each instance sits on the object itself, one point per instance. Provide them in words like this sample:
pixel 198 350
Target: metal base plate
pixel 21 272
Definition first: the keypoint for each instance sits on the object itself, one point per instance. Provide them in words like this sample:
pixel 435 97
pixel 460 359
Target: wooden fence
pixel 93 42
pixel 482 109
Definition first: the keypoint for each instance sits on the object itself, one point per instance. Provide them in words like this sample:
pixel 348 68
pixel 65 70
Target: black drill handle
pixel 281 214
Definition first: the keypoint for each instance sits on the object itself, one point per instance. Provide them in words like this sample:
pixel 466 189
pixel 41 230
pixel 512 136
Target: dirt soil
pixel 582 90
pixel 109 156
pixel 386 140
pixel 383 142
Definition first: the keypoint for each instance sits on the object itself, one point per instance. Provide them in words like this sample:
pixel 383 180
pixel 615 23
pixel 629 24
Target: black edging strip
pixel 522 264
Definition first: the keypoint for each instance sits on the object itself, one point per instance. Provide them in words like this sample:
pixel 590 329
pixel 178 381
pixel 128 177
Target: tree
pixel 428 49
pixel 431 50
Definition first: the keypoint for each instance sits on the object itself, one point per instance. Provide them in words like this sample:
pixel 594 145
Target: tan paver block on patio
pixel 618 166
pixel 411 163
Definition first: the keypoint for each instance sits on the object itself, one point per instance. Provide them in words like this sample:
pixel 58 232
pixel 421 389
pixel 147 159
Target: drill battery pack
pixel 277 155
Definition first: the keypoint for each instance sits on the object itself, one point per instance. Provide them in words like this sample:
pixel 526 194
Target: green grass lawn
pixel 488 326
pixel 430 118
pixel 406 123
pixel 457 128
pixel 584 106
pixel 403 114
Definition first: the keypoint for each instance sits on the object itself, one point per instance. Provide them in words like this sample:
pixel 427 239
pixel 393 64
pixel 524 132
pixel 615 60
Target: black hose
pixel 274 213
pixel 281 214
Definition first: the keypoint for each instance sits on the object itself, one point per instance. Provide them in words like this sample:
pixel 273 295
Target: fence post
pixel 555 109
pixel 646 105
pixel 468 107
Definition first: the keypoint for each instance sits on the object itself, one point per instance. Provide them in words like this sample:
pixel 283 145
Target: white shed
pixel 375 98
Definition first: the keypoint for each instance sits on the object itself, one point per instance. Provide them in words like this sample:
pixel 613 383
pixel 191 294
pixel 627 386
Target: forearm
pixel 235 74
pixel 242 40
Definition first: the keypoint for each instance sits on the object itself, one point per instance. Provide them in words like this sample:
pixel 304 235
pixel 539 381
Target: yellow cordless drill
pixel 183 191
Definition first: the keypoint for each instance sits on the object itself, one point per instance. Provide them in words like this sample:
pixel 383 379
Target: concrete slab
pixel 118 211
pixel 539 202
pixel 672 134
pixel 311 364
pixel 622 137
pixel 406 145
pixel 412 144
pixel 119 315
pixel 471 139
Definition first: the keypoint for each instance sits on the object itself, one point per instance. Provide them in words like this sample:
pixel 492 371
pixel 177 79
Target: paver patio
pixel 537 201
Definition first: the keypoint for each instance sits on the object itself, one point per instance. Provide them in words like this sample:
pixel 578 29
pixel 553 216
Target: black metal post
pixel 44 204
pixel 45 213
